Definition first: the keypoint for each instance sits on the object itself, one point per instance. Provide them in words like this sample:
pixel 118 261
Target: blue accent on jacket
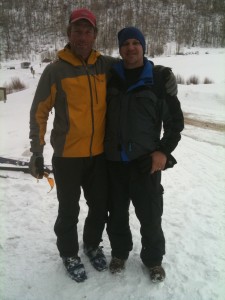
pixel 146 77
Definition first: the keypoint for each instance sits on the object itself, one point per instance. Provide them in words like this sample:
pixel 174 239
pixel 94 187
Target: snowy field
pixel 194 206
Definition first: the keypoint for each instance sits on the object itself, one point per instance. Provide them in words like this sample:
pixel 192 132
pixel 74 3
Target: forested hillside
pixel 29 26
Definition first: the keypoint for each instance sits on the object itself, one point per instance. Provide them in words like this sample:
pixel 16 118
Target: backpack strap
pixel 160 75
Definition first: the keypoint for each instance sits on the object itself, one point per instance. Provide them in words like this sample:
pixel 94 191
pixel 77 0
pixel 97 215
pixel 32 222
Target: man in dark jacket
pixel 137 106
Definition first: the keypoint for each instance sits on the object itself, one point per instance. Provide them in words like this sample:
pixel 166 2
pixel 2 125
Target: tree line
pixel 30 26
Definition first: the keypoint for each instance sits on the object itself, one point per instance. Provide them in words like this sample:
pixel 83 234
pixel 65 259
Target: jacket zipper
pixel 92 113
pixel 92 106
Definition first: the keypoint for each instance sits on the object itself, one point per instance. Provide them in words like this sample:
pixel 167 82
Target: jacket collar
pixel 145 79
pixel 67 55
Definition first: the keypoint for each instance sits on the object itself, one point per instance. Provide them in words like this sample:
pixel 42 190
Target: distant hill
pixel 31 27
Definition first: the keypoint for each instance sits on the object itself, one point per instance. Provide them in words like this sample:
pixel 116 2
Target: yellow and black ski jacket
pixel 77 92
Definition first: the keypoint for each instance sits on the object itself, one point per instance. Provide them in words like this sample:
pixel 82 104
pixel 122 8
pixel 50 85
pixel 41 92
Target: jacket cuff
pixel 163 150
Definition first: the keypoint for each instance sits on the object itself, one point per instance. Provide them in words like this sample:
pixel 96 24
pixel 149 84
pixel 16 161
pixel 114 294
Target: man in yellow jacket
pixel 75 86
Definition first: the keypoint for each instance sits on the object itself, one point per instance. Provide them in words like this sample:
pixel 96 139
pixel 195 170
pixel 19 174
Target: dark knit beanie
pixel 131 33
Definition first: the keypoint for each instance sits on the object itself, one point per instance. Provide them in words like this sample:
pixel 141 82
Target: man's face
pixel 82 37
pixel 132 53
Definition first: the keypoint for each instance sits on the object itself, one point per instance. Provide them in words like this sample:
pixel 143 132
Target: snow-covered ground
pixel 194 207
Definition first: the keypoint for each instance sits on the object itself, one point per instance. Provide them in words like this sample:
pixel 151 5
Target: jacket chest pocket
pixel 144 106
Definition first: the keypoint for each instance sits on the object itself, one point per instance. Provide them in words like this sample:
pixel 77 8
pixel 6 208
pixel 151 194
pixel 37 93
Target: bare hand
pixel 158 161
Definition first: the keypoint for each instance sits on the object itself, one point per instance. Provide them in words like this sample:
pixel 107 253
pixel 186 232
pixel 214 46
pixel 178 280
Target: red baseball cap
pixel 83 13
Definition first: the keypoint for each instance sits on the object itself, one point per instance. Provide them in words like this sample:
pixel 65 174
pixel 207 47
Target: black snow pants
pixel 146 192
pixel 72 174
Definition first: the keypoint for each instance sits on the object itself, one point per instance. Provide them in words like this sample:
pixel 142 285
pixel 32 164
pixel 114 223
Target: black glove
pixel 36 165
pixel 170 162
pixel 144 163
